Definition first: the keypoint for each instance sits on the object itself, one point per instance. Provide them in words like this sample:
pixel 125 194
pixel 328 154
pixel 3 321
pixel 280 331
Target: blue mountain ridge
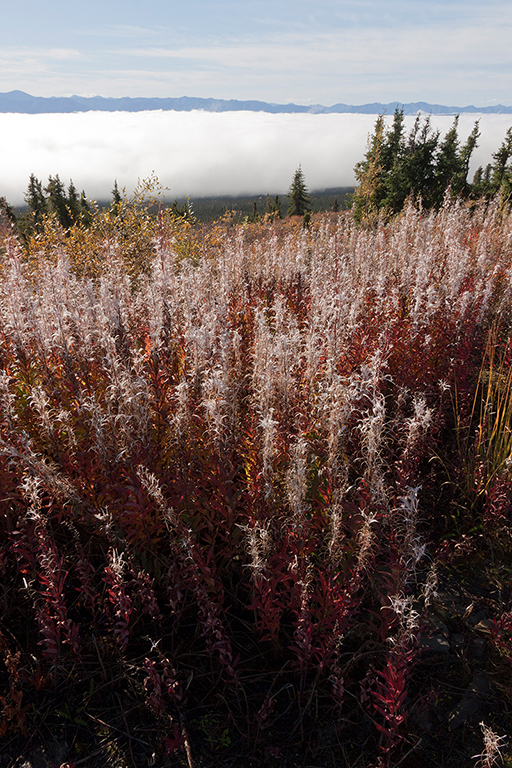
pixel 24 103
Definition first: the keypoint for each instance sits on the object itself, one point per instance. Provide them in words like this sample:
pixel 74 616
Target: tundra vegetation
pixel 256 488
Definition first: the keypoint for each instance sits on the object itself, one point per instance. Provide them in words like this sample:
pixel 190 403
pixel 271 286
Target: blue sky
pixel 327 51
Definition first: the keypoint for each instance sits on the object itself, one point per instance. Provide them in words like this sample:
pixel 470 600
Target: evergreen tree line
pixel 397 166
pixel 299 201
pixel 69 207
pixel 423 165
pixel 66 206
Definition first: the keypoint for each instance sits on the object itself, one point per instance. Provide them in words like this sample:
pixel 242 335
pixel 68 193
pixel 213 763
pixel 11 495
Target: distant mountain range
pixel 20 102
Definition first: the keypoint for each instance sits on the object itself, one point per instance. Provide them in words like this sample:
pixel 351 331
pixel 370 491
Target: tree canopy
pixel 68 207
pixel 421 165
pixel 496 178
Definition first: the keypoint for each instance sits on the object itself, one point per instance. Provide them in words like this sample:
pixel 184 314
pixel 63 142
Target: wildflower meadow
pixel 256 491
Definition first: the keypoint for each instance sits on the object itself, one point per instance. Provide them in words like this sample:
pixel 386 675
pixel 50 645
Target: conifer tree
pixel 58 202
pixel 73 203
pixel 85 210
pixel 419 166
pixel 448 166
pixel 501 172
pixel 298 195
pixel 7 212
pixel 36 200
pixel 392 153
pixel 367 197
pixel 116 196
pixel 466 153
pixel 117 200
pixel 453 162
pixel 272 207
pixel 496 178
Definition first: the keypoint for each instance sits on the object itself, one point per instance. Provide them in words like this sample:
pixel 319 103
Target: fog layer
pixel 199 153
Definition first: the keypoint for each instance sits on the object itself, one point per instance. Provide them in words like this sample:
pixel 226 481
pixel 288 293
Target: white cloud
pixel 199 153
pixel 121 30
pixel 404 43
pixel 436 61
pixel 22 67
pixel 11 55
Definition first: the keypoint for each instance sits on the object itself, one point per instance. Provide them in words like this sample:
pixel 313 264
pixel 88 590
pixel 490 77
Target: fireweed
pixel 221 456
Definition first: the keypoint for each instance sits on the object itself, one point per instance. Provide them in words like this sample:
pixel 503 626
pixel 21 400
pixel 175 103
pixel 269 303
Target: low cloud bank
pixel 200 153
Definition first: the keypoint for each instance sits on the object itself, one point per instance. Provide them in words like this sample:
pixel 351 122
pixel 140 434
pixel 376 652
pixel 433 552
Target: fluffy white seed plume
pixel 268 428
pixel 16 302
pixel 214 401
pixel 8 400
pixel 31 489
pixel 429 591
pixel 365 539
pixel 372 432
pixel 493 743
pixel 98 420
pixel 181 412
pixel 259 545
pixel 419 423
pixel 297 479
pixel 408 620
pixel 263 371
pixel 45 472
pixel 40 402
pixel 276 357
pixel 405 520
pixel 117 562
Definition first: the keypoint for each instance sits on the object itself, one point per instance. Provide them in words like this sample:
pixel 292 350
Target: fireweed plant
pixel 231 465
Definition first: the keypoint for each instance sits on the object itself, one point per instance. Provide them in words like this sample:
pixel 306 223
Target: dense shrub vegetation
pixel 255 489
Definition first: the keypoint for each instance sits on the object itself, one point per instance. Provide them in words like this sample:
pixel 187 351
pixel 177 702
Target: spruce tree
pixel 36 200
pixel 419 163
pixel 7 212
pixel 85 210
pixel 501 172
pixel 116 199
pixel 452 165
pixel 465 154
pixel 73 203
pixel 58 202
pixel 298 195
pixel 272 207
pixel 418 166
pixel 394 189
pixel 116 195
pixel 448 165
pixel 367 197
